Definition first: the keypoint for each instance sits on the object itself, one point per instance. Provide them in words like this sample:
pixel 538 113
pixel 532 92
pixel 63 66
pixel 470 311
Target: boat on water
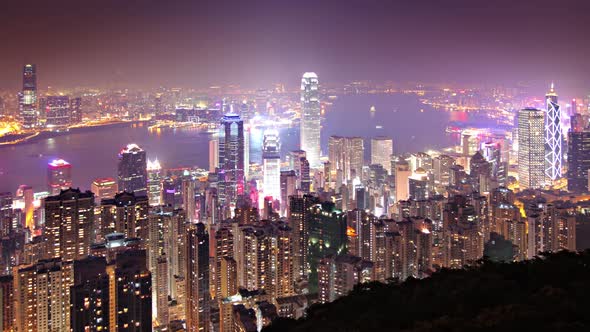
pixel 372 109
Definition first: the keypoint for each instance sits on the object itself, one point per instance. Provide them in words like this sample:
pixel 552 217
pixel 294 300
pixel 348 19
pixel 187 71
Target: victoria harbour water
pixel 412 125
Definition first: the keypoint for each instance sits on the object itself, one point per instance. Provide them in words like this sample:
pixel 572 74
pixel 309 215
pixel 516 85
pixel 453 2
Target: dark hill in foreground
pixel 550 293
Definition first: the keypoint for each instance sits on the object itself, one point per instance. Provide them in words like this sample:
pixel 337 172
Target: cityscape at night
pixel 294 166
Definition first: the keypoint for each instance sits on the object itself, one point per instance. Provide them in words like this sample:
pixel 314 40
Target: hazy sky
pixel 197 43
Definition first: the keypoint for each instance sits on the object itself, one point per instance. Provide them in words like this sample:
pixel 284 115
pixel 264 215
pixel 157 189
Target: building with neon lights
pixel 132 170
pixel 59 176
pixel 553 137
pixel 310 118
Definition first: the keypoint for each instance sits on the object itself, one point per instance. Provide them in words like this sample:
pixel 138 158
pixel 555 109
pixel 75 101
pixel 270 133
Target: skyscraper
pixel 310 118
pixel 154 182
pixel 381 150
pixel 531 148
pixel 553 137
pixel 578 158
pixel 197 279
pixel 75 110
pixel 271 165
pixel 69 217
pixel 346 156
pixel 59 176
pixel 28 97
pixel 231 159
pixel 57 111
pixel 132 170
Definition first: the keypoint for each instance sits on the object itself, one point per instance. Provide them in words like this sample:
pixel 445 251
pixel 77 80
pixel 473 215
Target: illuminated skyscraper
pixel 578 158
pixel 271 165
pixel 553 137
pixel 132 170
pixel 531 148
pixel 346 156
pixel 59 176
pixel 69 217
pixel 197 279
pixel 310 118
pixel 231 159
pixel 75 110
pixel 57 111
pixel 28 97
pixel 402 179
pixel 381 150
pixel 213 155
pixel 154 182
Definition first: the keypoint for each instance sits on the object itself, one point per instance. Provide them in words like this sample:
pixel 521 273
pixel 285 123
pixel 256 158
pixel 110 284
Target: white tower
pixel 310 118
pixel 553 137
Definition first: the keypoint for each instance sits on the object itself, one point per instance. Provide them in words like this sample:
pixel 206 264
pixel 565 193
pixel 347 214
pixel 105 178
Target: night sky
pixel 255 43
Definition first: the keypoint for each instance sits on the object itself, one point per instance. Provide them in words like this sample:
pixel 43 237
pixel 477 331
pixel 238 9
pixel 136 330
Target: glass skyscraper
pixel 310 118
pixel 231 159
pixel 271 163
pixel 27 98
pixel 531 148
pixel 553 137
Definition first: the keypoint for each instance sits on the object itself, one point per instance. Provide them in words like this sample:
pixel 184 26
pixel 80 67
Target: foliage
pixel 548 293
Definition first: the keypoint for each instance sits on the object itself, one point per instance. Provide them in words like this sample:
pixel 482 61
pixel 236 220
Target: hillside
pixel 550 293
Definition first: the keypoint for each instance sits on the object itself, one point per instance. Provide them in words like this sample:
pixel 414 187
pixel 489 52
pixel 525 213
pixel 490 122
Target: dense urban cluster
pixel 235 246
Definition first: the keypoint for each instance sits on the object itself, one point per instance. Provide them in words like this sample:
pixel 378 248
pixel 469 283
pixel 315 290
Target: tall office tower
pixel 418 185
pixel 492 152
pixel 132 170
pixel 578 158
pixel 27 98
pixel 90 295
pixel 213 155
pixel 300 164
pixel 154 182
pixel 126 214
pixel 271 164
pixel 288 188
pixel 338 275
pixel 531 148
pixel 310 118
pixel 480 171
pixel 104 188
pixel 442 169
pixel 57 111
pixel 188 198
pixel 346 155
pixel 197 279
pixel 402 180
pixel 75 110
pixel 231 160
pixel 299 219
pixel 130 300
pixel 59 176
pixel 69 217
pixel 6 214
pixel 381 150
pixel 553 137
pixel 42 296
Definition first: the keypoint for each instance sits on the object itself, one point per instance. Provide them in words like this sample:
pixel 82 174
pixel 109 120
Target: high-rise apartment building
pixel 104 188
pixel 310 118
pixel 531 148
pixel 578 158
pixel 69 217
pixel 197 279
pixel 132 170
pixel 346 155
pixel 126 213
